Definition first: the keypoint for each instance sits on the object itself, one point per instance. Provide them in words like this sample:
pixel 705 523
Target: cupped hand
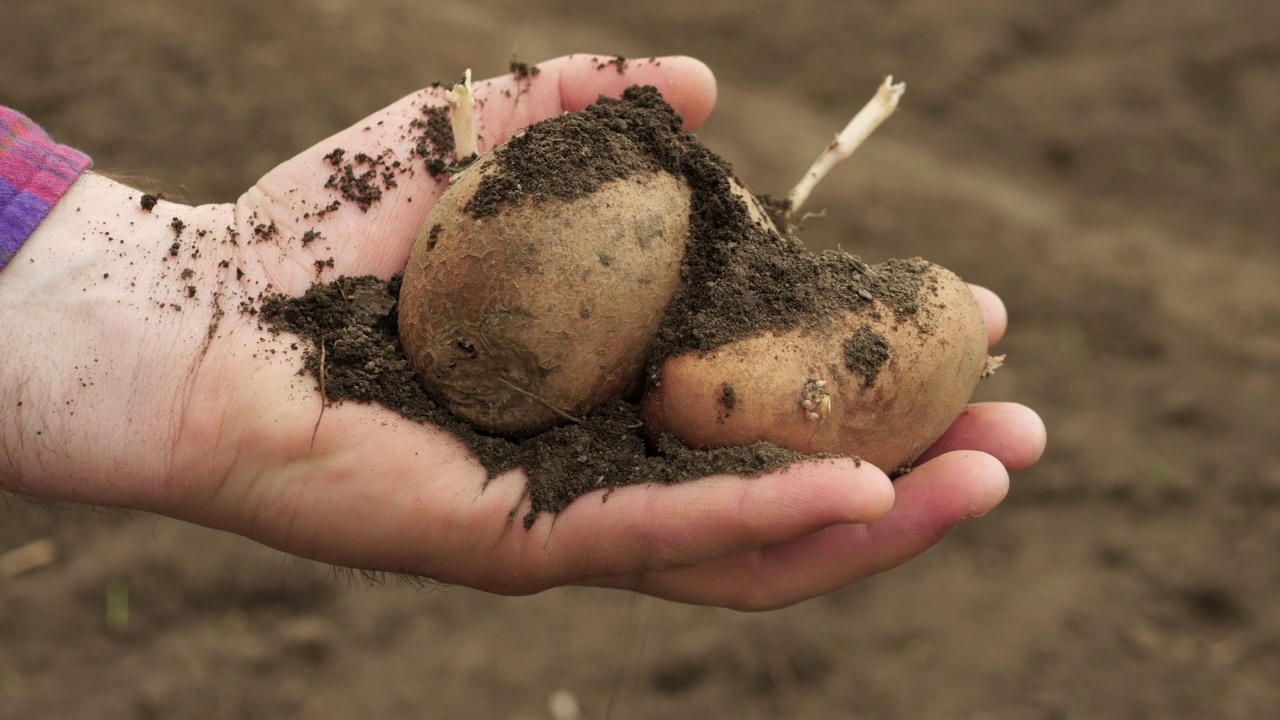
pixel 141 378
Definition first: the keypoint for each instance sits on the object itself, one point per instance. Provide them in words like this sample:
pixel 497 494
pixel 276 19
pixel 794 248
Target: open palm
pixel 242 450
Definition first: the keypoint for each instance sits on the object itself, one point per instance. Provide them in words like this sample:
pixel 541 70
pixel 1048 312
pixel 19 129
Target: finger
pixel 508 103
pixel 652 527
pixel 930 502
pixel 1013 434
pixel 374 236
pixel 687 84
pixel 994 314
pixel 422 506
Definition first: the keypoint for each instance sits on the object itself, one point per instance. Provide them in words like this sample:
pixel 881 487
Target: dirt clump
pixel 738 278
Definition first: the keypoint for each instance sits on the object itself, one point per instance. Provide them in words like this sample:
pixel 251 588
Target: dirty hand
pixel 136 376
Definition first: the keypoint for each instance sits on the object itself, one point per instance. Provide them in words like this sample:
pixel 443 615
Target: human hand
pixel 134 379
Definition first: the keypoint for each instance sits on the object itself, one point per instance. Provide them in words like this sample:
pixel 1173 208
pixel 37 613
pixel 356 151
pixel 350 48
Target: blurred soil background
pixel 1111 167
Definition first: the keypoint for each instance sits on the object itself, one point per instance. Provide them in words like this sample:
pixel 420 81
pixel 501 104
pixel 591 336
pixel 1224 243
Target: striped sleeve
pixel 35 172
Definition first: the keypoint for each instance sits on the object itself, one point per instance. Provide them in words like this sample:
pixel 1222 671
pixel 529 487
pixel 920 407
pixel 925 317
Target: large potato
pixel 867 383
pixel 546 309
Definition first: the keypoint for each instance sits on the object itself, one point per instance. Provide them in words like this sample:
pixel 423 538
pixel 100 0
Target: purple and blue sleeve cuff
pixel 35 172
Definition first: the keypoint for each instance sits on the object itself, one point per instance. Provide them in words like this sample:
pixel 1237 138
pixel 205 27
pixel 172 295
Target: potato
pixel 864 383
pixel 605 250
pixel 546 309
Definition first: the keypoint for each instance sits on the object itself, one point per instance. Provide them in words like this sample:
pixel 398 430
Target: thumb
pixel 385 153
pixel 686 83
pixel 508 103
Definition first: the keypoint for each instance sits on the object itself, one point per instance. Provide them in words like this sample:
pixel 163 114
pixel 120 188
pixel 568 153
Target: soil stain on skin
pixel 738 279
pixel 434 143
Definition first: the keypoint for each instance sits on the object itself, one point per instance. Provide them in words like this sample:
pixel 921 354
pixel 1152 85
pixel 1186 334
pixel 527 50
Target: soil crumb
pixel 523 70
pixel 362 179
pixel 354 320
pixel 865 352
pixel 434 140
pixel 739 277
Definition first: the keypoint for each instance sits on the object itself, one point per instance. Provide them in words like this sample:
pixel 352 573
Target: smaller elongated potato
pixel 868 384
pixel 547 308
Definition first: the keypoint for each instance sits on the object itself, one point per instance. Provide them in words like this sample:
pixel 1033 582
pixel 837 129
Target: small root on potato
pixel 544 401
pixel 991 365
pixel 816 401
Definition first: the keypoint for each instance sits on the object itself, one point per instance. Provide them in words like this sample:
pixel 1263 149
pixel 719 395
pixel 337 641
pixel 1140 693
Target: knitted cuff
pixel 35 172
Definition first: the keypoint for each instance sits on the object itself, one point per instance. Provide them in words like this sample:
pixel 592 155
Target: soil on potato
pixel 1108 167
pixel 738 279
pixel 354 319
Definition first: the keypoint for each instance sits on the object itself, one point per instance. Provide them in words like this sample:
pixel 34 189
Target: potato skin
pixel 756 389
pixel 547 305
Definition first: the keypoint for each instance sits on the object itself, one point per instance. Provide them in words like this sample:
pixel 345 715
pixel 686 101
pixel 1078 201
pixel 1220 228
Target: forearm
pixel 100 333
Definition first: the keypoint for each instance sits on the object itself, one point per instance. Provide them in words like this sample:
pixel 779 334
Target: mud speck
pixel 865 353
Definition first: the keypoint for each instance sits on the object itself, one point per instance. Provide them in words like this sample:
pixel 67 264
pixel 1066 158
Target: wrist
pixel 102 314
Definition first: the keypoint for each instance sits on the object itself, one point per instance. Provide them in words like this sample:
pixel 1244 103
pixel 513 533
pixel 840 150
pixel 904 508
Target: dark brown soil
pixel 865 352
pixel 354 319
pixel 738 279
pixel 1108 166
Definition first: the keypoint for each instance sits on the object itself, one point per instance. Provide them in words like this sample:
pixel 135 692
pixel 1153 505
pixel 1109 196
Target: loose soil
pixel 739 278
pixel 1108 166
